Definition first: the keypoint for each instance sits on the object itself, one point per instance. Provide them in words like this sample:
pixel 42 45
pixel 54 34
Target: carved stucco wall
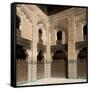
pixel 60 25
pixel 80 23
pixel 31 16
pixel 59 21
pixel 25 25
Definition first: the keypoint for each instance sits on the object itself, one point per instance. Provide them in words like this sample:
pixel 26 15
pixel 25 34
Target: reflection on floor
pixel 53 81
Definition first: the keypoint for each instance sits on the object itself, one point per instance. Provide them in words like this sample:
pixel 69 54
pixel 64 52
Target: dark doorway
pixel 40 37
pixel 40 64
pixel 21 65
pixel 59 64
pixel 85 33
pixel 20 52
pixel 59 38
pixel 59 35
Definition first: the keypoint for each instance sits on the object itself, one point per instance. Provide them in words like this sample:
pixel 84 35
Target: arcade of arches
pixel 51 44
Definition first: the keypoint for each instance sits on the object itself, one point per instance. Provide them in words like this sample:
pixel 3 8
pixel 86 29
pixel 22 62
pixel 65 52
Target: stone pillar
pixel 34 52
pixel 47 69
pixel 34 47
pixel 72 62
pixel 29 51
pixel 32 58
pixel 48 56
pixel 29 69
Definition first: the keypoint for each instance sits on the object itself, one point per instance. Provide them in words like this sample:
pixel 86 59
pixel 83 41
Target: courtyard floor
pixel 53 81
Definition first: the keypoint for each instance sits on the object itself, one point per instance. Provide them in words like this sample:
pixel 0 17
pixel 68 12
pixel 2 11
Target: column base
pixel 29 72
pixel 47 70
pixel 32 72
pixel 72 69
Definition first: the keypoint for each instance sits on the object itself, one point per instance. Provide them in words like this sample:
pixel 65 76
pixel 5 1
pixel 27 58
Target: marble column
pixel 72 62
